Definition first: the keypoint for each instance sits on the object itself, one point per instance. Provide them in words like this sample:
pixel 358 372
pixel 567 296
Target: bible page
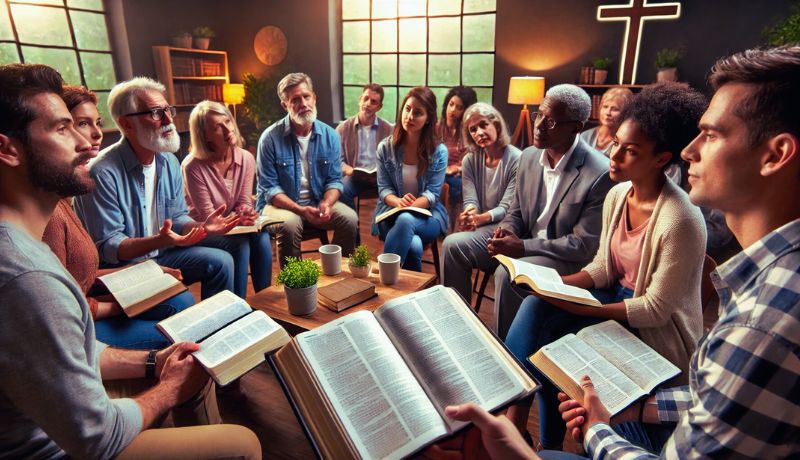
pixel 235 338
pixel 137 282
pixel 548 280
pixel 203 319
pixel 380 403
pixel 629 354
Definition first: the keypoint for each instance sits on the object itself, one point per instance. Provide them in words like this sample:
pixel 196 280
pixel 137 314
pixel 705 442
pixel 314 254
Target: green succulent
pixel 203 32
pixel 668 57
pixel 299 273
pixel 601 63
pixel 360 257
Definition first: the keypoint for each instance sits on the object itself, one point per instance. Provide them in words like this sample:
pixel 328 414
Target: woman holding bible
pixel 647 271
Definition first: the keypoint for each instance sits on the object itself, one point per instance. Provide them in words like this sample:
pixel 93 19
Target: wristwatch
pixel 150 365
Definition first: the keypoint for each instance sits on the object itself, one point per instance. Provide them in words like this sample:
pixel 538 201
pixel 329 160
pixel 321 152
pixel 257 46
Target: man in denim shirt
pixel 137 210
pixel 300 172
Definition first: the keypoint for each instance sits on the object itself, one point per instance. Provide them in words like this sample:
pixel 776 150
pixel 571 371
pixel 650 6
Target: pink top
pixel 205 189
pixel 626 250
pixel 455 151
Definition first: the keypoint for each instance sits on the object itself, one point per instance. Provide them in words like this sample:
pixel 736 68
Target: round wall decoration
pixel 270 45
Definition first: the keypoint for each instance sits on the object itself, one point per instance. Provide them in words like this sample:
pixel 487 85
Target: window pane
pixel 65 61
pixel 412 8
pixel 355 37
pixel 384 69
pixel 90 31
pixel 443 70
pixel 479 33
pixel 478 69
pixel 41 2
pixel 355 9
pixel 96 5
pixel 484 94
pixel 384 9
pixel 98 70
pixel 351 97
pixel 445 35
pixel 102 107
pixel 8 53
pixel 5 25
pixel 389 110
pixel 356 69
pixel 436 7
pixel 412 69
pixel 384 36
pixel 41 25
pixel 413 35
pixel 477 6
pixel 440 93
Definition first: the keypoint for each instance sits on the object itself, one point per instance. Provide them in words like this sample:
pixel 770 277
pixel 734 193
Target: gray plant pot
pixel 301 301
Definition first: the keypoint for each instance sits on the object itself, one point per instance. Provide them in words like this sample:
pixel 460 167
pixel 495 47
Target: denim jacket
pixel 280 169
pixel 390 180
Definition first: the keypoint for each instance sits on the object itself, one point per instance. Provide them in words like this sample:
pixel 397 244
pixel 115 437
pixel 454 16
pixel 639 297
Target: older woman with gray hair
pixel 218 172
pixel 612 103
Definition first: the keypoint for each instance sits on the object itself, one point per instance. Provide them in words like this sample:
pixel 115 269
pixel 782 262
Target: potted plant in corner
pixel 202 37
pixel 360 264
pixel 181 39
pixel 601 66
pixel 299 278
pixel 667 64
pixel 786 31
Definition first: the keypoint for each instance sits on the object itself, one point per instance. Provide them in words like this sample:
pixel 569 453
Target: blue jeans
pixel 454 195
pixel 253 249
pixel 406 235
pixel 537 324
pixel 351 189
pixel 140 332
pixel 213 268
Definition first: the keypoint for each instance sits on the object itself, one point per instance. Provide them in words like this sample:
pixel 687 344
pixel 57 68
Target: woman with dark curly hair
pixel 647 271
pixel 449 132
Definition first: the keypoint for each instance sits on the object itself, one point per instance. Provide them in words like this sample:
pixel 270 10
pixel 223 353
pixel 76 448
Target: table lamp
pixel 525 90
pixel 233 94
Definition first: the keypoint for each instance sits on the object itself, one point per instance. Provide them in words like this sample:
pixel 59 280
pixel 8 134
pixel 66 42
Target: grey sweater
pixel 52 401
pixel 473 176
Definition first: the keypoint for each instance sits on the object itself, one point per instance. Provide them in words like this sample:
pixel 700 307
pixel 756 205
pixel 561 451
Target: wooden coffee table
pixel 272 300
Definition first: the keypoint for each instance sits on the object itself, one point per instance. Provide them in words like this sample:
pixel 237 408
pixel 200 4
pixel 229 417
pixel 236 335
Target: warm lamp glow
pixel 526 90
pixel 233 93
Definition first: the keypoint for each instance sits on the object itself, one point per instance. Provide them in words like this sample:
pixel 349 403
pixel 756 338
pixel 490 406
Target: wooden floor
pixel 259 403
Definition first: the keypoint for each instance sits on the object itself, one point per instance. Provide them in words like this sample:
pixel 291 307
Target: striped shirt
pixel 743 398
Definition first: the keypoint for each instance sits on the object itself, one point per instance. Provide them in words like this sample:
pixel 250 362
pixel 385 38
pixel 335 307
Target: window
pixel 68 35
pixel 404 43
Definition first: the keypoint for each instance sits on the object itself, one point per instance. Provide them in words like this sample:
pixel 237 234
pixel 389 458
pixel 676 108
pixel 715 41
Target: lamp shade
pixel 233 93
pixel 526 90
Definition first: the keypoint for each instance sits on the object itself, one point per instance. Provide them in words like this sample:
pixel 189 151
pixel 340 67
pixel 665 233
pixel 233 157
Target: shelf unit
pixel 596 94
pixel 190 76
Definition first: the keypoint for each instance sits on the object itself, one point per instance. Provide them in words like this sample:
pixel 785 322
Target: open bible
pixel 545 281
pixel 233 337
pixel 393 211
pixel 622 367
pixel 141 287
pixel 261 222
pixel 375 385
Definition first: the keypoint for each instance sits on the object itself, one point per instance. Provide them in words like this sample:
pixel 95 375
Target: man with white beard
pixel 300 172
pixel 137 210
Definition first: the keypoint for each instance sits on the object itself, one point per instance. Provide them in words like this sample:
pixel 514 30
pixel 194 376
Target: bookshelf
pixel 190 76
pixel 596 94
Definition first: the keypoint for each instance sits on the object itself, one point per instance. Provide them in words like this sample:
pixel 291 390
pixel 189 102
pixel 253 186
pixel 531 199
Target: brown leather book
pixel 345 293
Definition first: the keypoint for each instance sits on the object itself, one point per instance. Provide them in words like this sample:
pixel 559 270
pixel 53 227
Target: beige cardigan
pixel 665 306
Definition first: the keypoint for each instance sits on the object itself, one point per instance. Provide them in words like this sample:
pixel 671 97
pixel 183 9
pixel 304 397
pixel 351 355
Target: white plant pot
pixel 301 301
pixel 360 272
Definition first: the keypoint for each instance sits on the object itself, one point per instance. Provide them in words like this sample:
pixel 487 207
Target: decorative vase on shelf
pixel 182 41
pixel 667 74
pixel 600 76
pixel 201 43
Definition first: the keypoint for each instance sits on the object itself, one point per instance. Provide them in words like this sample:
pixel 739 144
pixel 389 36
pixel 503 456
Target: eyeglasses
pixel 547 122
pixel 156 113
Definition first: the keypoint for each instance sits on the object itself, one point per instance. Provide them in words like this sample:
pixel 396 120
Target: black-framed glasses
pixel 157 113
pixel 547 122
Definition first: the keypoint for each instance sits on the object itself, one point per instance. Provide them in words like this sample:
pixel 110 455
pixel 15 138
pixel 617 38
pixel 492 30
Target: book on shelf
pixel 375 385
pixel 385 215
pixel 233 337
pixel 261 222
pixel 344 294
pixel 622 367
pixel 545 281
pixel 141 287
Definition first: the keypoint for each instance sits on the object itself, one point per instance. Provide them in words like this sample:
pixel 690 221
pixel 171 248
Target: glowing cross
pixel 634 14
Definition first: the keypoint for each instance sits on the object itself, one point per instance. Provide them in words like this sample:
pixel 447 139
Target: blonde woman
pixel 611 105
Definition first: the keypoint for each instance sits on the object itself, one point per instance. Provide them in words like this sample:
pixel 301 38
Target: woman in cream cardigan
pixel 648 268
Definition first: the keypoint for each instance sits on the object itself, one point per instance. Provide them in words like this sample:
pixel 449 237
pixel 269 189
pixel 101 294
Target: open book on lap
pixel 376 385
pixel 622 367
pixel 385 215
pixel 141 287
pixel 545 281
pixel 261 222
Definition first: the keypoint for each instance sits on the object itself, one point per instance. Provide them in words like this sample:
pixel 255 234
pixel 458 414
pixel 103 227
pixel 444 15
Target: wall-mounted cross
pixel 634 14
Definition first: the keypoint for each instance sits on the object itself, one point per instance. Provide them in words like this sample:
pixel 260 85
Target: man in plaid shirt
pixel 743 398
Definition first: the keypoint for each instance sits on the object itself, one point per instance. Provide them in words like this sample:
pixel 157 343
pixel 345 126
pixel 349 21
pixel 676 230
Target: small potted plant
pixel 202 37
pixel 667 61
pixel 182 39
pixel 360 264
pixel 601 66
pixel 299 278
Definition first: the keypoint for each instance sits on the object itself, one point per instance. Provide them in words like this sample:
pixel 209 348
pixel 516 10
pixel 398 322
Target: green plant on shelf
pixel 203 32
pixel 601 63
pixel 360 257
pixel 786 32
pixel 299 273
pixel 668 57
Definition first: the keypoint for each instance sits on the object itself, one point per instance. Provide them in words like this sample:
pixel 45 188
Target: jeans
pixel 539 323
pixel 454 195
pixel 253 249
pixel 352 187
pixel 210 266
pixel 140 332
pixel 406 235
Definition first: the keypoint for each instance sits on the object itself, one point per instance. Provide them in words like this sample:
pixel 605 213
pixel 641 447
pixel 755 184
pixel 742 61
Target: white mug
pixel 390 267
pixel 331 255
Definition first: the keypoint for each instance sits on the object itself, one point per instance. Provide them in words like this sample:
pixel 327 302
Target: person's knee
pixel 405 220
pixel 345 217
pixel 292 225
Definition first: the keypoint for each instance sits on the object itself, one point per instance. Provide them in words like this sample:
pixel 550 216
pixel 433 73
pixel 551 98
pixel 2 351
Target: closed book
pixel 345 293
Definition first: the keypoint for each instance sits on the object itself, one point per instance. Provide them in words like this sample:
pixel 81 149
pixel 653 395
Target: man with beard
pixel 300 172
pixel 137 210
pixel 52 401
